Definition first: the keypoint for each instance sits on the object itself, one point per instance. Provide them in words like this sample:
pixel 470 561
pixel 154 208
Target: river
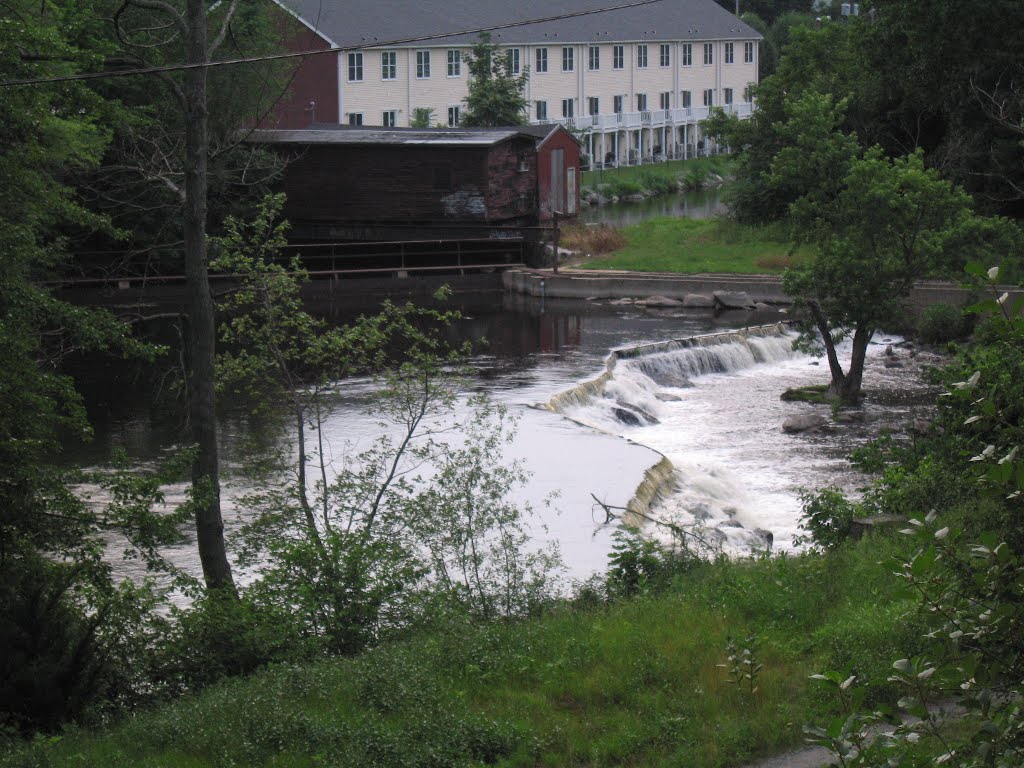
pixel 698 204
pixel 735 471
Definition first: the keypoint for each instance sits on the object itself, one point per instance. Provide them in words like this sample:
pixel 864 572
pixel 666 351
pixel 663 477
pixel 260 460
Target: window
pixel 593 106
pixel 728 53
pixel 355 118
pixel 664 57
pixel 422 64
pixel 748 93
pixel 641 102
pixel 748 53
pixel 355 67
pixel 542 110
pixel 512 61
pixel 618 57
pixel 568 65
pixel 727 95
pixel 686 99
pixel 617 105
pixel 389 65
pixel 454 63
pixel 641 57
pixel 453 117
pixel 542 60
pixel 388 119
pixel 709 55
pixel 665 100
pixel 595 58
pixel 687 54
pixel 709 97
pixel 567 105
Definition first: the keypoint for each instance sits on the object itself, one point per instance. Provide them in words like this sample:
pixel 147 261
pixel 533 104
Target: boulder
pixel 661 301
pixel 733 300
pixel 621 302
pixel 849 417
pixel 893 364
pixel 635 198
pixel 760 305
pixel 698 301
pixel 628 418
pixel 803 423
pixel 637 411
pixel 730 524
pixel 666 397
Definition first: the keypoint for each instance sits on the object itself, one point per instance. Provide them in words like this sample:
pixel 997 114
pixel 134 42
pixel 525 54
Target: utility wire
pixel 301 54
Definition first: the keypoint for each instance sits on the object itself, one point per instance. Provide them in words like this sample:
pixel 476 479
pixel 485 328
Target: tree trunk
pixel 845 386
pixel 202 330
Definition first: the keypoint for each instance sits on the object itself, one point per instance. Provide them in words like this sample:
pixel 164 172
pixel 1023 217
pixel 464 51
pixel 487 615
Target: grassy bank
pixel 632 682
pixel 692 246
pixel 656 175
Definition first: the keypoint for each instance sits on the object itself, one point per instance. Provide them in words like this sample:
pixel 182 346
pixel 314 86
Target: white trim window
pixel 454 63
pixel 727 96
pixel 748 53
pixel 389 118
pixel 593 105
pixel 512 61
pixel 389 65
pixel 617 104
pixel 454 117
pixel 355 67
pixel 542 110
pixel 568 59
pixel 687 57
pixel 594 58
pixel 542 60
pixel 665 100
pixel 355 118
pixel 641 57
pixel 568 107
pixel 422 65
pixel 729 53
pixel 641 102
pixel 709 97
pixel 664 55
pixel 709 54
pixel 685 99
pixel 618 57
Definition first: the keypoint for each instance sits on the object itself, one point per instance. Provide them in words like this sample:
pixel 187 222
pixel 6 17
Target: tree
pixel 889 223
pixel 495 92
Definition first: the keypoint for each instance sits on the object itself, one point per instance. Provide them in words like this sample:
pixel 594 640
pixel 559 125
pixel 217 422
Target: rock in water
pixel 803 423
pixel 666 397
pixel 733 300
pixel 698 301
pixel 628 418
pixel 662 301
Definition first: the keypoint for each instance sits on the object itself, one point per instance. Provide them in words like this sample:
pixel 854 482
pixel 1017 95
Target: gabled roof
pixel 375 23
pixel 346 135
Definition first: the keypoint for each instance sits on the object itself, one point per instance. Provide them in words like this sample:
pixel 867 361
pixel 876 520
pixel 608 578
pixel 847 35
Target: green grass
pixel 633 683
pixel 694 246
pixel 670 171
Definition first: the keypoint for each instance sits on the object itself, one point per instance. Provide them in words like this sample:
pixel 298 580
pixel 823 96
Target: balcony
pixel 653 118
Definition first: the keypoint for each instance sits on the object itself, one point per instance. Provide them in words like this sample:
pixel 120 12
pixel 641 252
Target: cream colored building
pixel 636 80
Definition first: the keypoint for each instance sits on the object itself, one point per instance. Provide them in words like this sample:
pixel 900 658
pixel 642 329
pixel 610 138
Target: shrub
pixel 828 516
pixel 939 324
pixel 593 239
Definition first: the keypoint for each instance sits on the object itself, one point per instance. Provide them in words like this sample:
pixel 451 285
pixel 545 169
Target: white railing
pixel 654 118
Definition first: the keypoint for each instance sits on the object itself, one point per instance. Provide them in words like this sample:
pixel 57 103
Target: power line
pixel 301 54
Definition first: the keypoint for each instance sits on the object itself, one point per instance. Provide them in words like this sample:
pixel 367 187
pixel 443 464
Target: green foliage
pixel 421 117
pixel 495 96
pixel 637 565
pixel 742 667
pixel 827 516
pixel 940 324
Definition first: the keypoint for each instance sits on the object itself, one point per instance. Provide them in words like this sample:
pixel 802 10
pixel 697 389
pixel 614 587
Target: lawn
pixel 694 246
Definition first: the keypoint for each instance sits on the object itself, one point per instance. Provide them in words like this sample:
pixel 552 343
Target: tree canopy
pixel 495 95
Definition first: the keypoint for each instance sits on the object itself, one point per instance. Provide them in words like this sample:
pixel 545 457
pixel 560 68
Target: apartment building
pixel 634 82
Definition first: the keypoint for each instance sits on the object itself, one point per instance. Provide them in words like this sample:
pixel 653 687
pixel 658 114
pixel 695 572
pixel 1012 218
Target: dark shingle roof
pixel 375 23
pixel 332 134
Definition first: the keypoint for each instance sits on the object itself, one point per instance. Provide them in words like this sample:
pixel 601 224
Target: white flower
pixel 1010 456
pixel 972 420
pixel 1002 299
pixel 987 453
pixel 993 273
pixel 942 533
pixel 970 383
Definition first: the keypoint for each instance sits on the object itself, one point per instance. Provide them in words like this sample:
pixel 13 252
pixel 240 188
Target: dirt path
pixel 808 757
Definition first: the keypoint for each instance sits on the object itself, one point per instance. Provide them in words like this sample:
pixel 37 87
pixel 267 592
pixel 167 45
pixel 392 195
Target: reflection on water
pixel 691 205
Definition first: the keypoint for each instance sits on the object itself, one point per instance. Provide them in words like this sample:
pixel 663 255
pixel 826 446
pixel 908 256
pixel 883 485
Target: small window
pixel 664 56
pixel 748 53
pixel 686 99
pixel 542 60
pixel 727 95
pixel 687 54
pixel 617 105
pixel 618 57
pixel 709 97
pixel 665 100
pixel 389 65
pixel 355 67
pixel 568 64
pixel 388 119
pixel 512 61
pixel 709 55
pixel 641 102
pixel 728 53
pixel 567 107
pixel 641 57
pixel 355 118
pixel 453 117
pixel 594 62
pixel 542 110
pixel 593 106
pixel 454 63
pixel 422 64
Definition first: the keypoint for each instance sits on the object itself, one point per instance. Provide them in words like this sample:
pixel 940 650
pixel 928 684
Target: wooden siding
pixel 560 139
pixel 315 80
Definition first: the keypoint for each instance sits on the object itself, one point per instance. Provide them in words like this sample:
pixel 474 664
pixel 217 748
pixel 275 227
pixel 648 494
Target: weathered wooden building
pixel 409 185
